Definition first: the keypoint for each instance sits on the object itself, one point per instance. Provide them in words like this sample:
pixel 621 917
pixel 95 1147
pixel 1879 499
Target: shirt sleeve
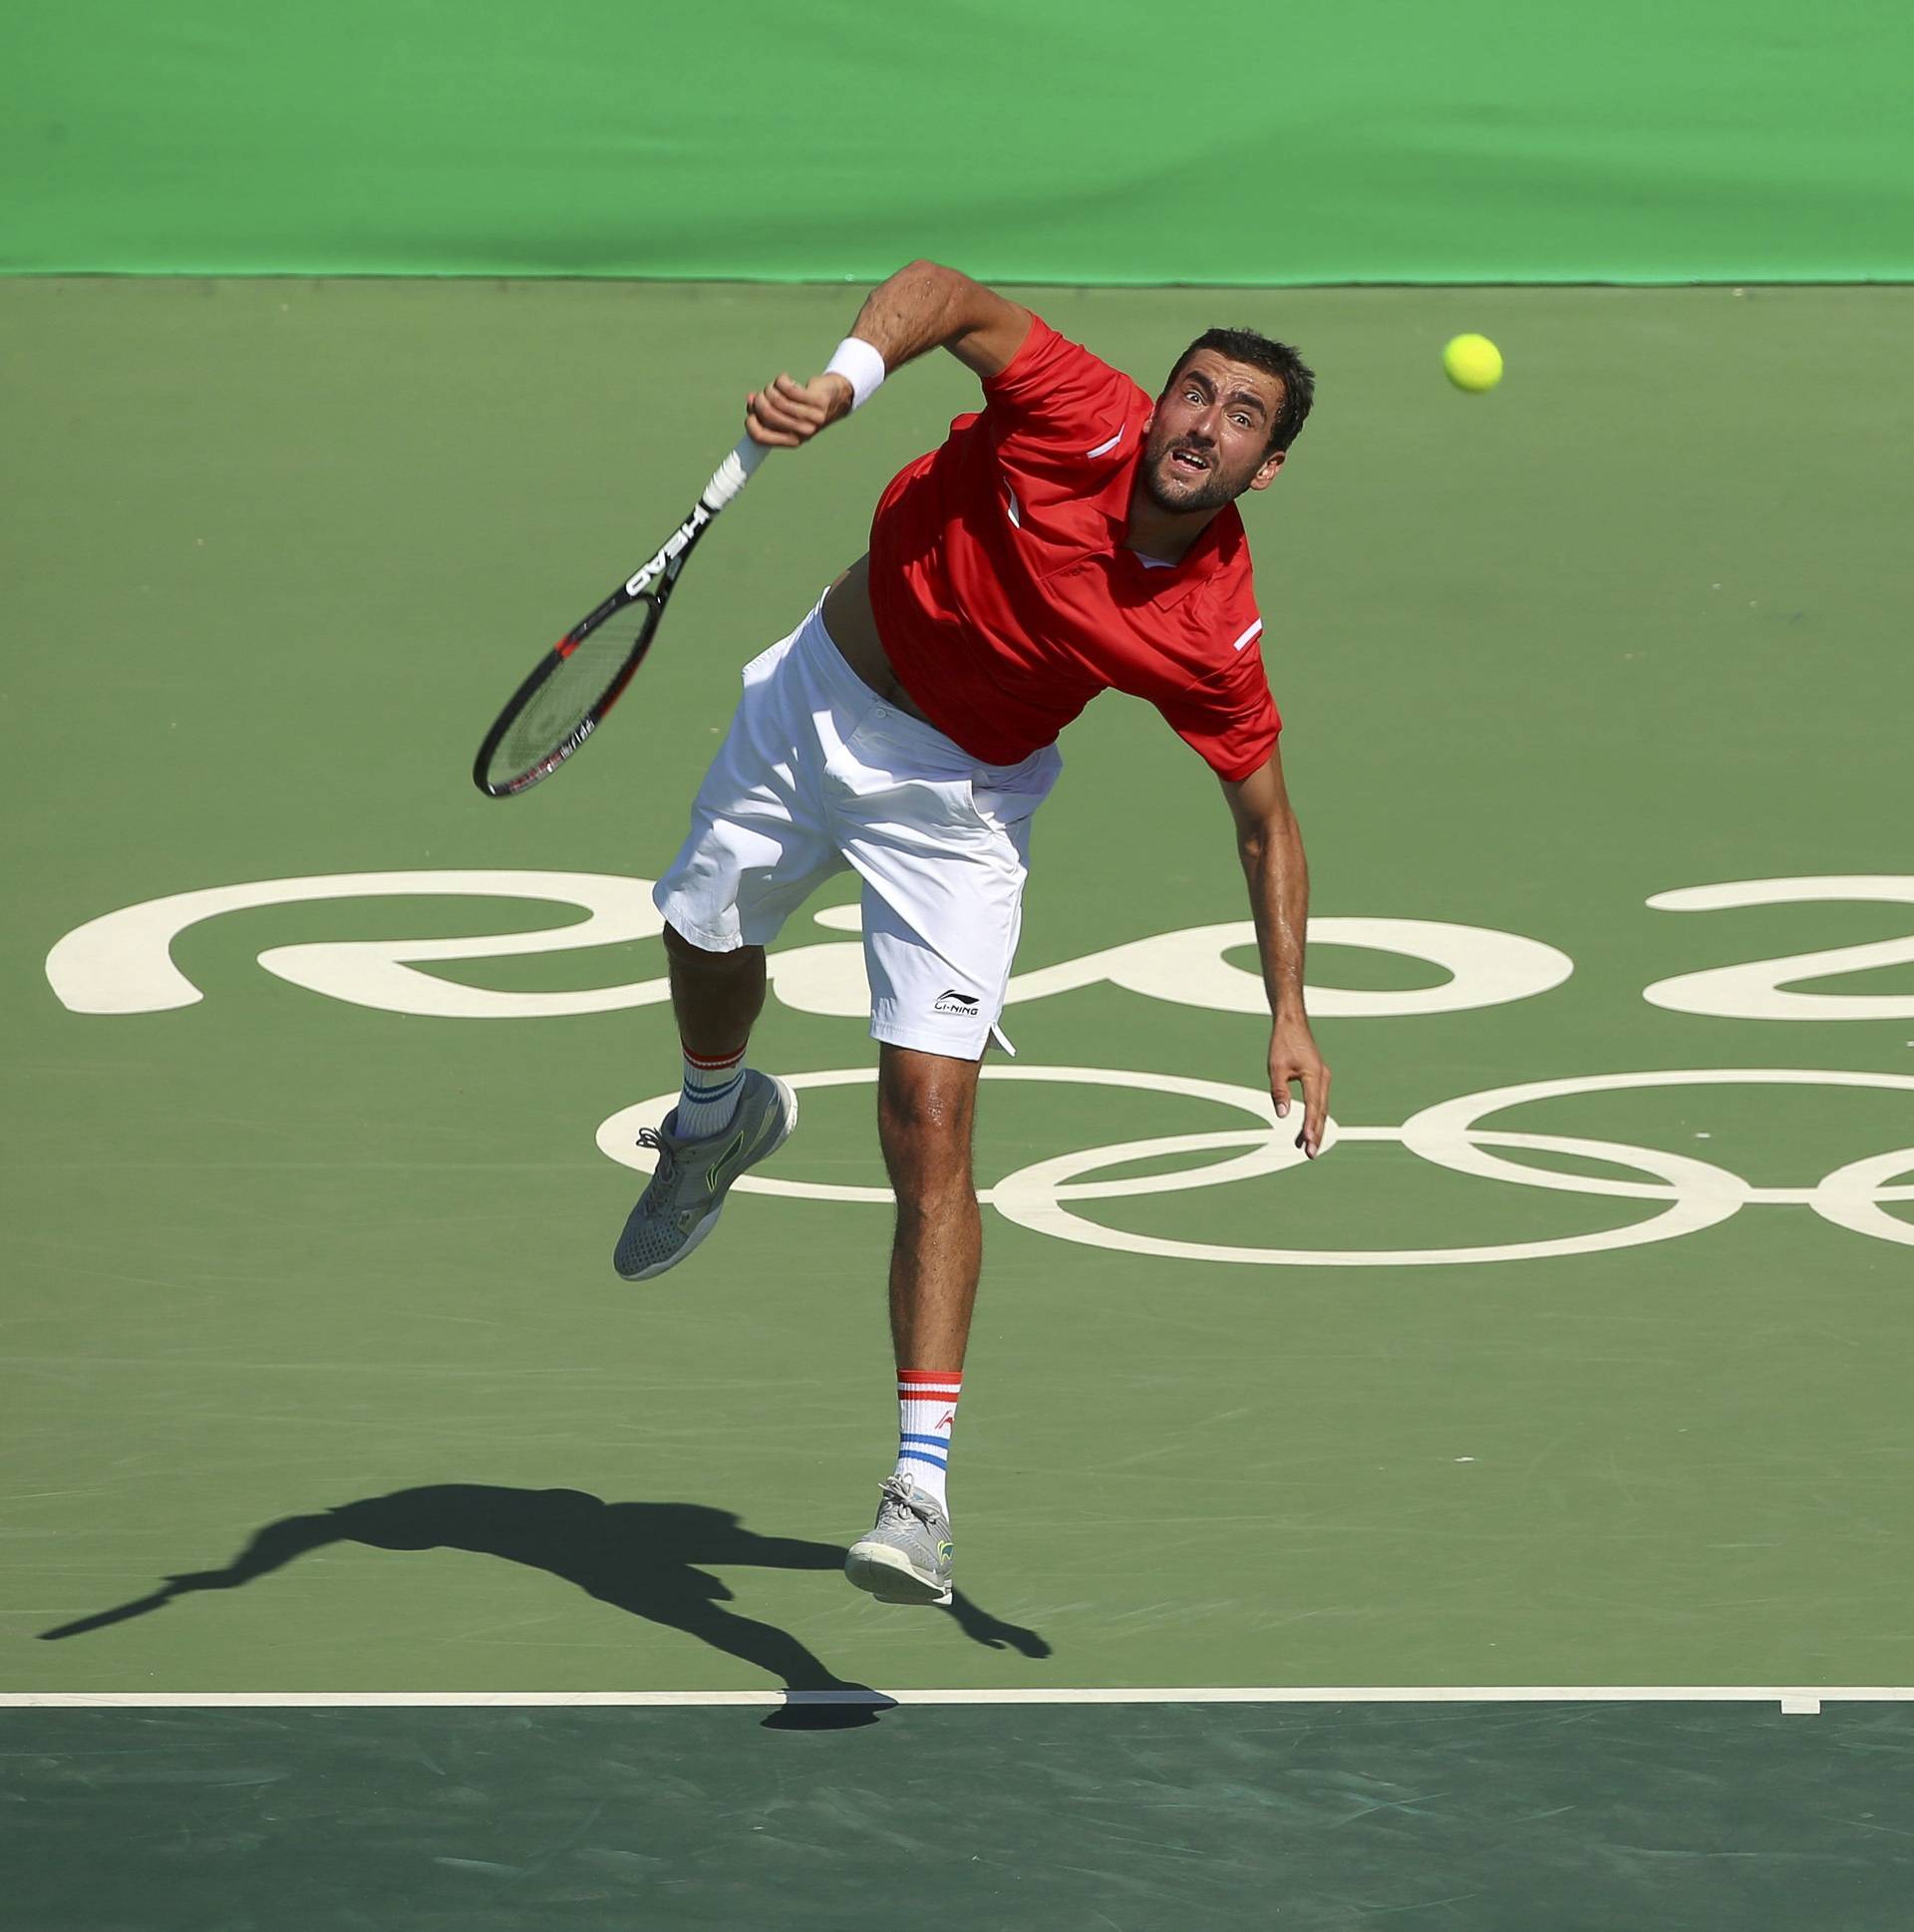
pixel 1228 719
pixel 1055 396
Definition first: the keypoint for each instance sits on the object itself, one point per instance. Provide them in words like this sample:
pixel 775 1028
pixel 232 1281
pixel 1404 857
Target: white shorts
pixel 818 775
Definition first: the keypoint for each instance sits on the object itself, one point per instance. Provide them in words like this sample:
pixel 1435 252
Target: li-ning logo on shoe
pixel 951 1000
pixel 717 1166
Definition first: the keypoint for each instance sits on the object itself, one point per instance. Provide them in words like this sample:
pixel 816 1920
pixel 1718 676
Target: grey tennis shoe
pixel 688 1189
pixel 906 1556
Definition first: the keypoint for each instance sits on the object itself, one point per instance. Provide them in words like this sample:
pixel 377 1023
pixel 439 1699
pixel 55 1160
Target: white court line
pixel 1801 1699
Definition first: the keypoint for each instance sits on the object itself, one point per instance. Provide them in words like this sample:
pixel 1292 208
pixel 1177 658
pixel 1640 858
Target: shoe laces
pixel 651 1138
pixel 901 1503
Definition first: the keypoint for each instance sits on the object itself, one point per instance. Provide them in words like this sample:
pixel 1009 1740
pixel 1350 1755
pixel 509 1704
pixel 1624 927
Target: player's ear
pixel 1267 472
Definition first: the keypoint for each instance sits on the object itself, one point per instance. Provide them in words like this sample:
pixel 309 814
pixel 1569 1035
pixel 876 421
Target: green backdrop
pixel 1064 140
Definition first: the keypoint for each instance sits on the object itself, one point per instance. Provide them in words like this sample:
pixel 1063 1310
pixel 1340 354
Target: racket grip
pixel 734 473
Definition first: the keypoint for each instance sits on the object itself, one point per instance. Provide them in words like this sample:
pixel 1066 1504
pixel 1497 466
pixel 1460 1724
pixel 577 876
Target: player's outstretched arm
pixel 1270 844
pixel 929 306
pixel 922 308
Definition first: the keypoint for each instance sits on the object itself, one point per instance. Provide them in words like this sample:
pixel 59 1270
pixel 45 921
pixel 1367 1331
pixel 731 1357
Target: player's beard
pixel 1180 496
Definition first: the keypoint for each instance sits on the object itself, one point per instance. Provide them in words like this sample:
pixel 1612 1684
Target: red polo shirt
pixel 1006 599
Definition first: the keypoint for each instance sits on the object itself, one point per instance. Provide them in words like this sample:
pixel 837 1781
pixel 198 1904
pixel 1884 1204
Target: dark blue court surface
pixel 1566 1817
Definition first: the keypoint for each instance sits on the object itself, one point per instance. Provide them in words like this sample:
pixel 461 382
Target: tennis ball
pixel 1472 362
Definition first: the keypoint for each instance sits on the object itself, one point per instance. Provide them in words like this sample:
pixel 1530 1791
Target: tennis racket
pixel 582 676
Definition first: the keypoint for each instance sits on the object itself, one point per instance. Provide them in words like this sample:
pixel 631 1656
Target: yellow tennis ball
pixel 1472 362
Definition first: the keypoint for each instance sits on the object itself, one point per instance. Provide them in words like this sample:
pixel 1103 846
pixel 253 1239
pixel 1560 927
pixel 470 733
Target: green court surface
pixel 307 1291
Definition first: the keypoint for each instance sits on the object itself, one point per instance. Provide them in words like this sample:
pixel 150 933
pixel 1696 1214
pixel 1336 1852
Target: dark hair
pixel 1276 359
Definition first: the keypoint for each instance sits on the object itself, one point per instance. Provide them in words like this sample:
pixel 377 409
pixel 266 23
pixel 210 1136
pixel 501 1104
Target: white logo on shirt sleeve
pixel 1104 448
pixel 1247 635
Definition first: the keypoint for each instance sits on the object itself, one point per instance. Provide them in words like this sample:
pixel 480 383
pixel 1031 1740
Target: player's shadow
pixel 641 1557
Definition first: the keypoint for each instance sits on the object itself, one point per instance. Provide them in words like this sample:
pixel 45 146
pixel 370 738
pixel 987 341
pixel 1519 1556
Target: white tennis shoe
pixel 906 1556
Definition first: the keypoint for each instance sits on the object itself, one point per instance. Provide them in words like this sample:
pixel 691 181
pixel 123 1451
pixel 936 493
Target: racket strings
pixel 570 692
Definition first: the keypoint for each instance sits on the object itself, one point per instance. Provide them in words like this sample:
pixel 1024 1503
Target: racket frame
pixel 651 584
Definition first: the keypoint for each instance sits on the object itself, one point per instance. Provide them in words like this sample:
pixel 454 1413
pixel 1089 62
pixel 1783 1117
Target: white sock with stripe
pixel 710 1097
pixel 926 1414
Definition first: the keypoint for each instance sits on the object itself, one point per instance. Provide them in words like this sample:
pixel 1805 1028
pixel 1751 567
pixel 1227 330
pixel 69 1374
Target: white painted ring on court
pixel 1446 1135
pixel 1852 1196
pixel 1270 1150
pixel 1698 1194
pixel 1033 1197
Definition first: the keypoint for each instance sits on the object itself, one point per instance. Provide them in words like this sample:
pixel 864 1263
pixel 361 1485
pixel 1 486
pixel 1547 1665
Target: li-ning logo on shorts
pixel 952 1000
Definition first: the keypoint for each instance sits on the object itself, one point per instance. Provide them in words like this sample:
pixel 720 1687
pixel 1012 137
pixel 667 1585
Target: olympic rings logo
pixel 1692 1194
pixel 120 963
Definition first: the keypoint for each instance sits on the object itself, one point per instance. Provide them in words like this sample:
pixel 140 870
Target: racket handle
pixel 734 473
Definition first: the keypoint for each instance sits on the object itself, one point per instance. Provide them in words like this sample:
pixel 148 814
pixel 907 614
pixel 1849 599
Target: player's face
pixel 1209 437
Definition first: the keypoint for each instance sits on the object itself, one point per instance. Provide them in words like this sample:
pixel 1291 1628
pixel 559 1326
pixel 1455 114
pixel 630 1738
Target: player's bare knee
pixel 924 1120
pixel 920 1148
pixel 925 1097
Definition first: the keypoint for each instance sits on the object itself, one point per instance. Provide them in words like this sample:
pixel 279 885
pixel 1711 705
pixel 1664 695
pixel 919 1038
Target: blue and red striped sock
pixel 712 1086
pixel 926 1414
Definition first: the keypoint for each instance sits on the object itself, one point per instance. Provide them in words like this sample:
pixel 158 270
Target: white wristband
pixel 860 365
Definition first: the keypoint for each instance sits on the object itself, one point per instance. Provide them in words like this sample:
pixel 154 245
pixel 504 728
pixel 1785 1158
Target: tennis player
pixel 1072 537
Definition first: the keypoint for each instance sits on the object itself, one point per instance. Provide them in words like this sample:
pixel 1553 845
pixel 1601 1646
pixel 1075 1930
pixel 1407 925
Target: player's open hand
pixel 785 413
pixel 1293 1059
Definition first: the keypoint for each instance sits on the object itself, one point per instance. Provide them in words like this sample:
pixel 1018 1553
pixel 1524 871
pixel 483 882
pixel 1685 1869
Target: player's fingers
pixel 1314 1110
pixel 1283 1074
pixel 764 426
pixel 1313 1079
pixel 796 398
pixel 777 413
pixel 776 408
